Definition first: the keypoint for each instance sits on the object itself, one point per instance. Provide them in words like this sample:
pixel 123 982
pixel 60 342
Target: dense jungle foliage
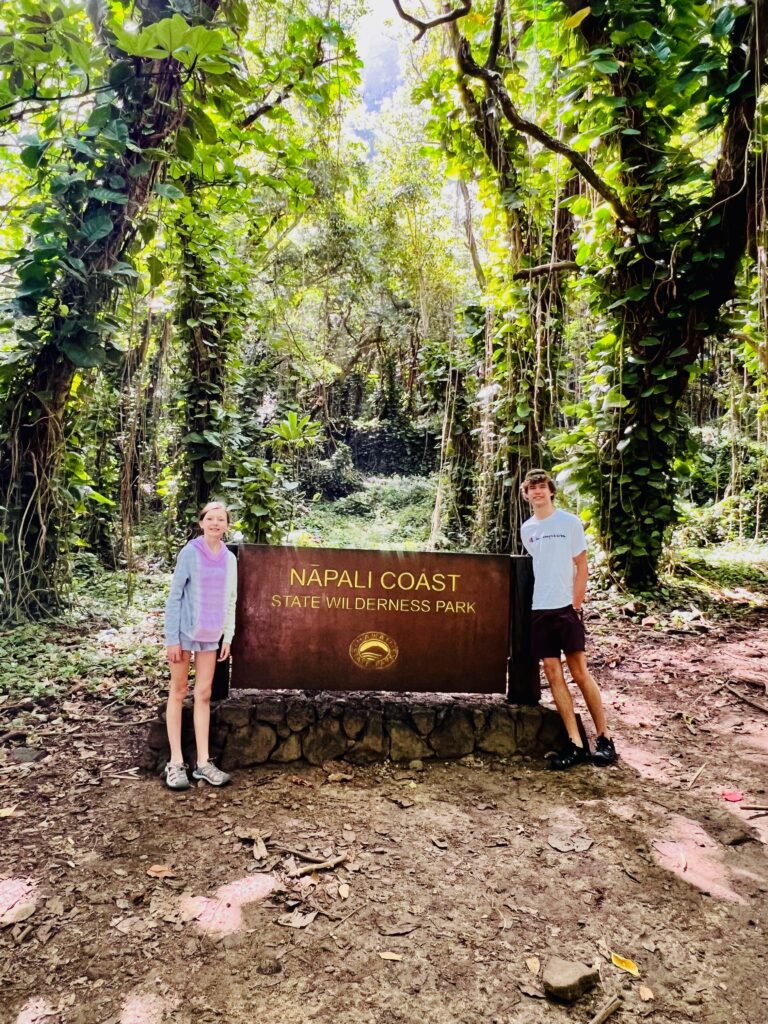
pixel 226 271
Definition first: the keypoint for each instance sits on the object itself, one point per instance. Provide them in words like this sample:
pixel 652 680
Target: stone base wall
pixel 254 726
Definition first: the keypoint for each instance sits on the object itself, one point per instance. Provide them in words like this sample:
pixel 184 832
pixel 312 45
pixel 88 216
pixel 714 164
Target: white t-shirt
pixel 553 542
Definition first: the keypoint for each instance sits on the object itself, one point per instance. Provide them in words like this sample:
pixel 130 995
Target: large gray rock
pixel 453 736
pixel 235 714
pixel 566 980
pixel 270 709
pixel 528 728
pixel 374 746
pixel 552 735
pixel 354 722
pixel 423 719
pixel 324 741
pixel 478 719
pixel 299 715
pixel 406 744
pixel 251 745
pixel 500 736
pixel 157 737
pixel 289 749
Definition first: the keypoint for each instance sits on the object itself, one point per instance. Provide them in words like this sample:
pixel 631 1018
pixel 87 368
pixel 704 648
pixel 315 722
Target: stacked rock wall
pixel 254 727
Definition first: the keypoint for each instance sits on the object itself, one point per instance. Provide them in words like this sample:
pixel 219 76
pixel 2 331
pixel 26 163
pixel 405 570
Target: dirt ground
pixel 122 902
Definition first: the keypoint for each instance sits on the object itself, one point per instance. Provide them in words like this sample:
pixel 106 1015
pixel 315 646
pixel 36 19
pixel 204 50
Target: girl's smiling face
pixel 214 522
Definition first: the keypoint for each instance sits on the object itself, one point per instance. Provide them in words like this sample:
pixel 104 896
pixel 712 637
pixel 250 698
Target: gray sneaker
pixel 210 773
pixel 176 776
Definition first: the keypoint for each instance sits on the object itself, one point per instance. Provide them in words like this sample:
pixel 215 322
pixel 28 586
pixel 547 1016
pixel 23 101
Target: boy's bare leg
pixel 577 664
pixel 176 693
pixel 205 666
pixel 561 695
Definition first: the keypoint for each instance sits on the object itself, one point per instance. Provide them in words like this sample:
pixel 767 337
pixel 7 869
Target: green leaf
pixel 120 73
pixel 98 498
pixel 96 227
pixel 86 357
pixel 156 269
pixel 723 23
pixel 168 191
pixel 576 19
pixel 205 127
pixel 607 67
pixel 169 35
pixel 32 155
pixel 201 42
pixel 107 195
pixel 185 147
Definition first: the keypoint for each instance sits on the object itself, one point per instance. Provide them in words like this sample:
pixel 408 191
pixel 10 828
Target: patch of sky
pixel 378 40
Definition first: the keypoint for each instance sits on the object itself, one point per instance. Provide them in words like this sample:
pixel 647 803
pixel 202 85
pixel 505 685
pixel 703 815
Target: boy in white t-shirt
pixel 555 540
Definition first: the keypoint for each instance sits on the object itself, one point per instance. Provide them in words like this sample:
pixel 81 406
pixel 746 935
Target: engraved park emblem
pixel 373 650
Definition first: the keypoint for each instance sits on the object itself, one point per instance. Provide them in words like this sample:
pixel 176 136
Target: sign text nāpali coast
pixel 371 620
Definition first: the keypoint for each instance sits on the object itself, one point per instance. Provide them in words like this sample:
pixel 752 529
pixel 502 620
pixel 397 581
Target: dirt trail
pixel 127 904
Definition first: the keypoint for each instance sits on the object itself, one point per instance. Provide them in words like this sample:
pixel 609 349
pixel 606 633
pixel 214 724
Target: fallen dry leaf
pixel 404 927
pixel 646 994
pixel 161 871
pixel 298 781
pixel 18 912
pixel 625 965
pixel 533 964
pixel 8 812
pixel 533 991
pixel 391 956
pixel 297 919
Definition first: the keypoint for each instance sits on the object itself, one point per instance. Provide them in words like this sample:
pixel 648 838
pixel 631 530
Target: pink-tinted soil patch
pixel 623 809
pixel 645 762
pixel 146 1008
pixel 35 1011
pixel 14 894
pixel 689 852
pixel 222 914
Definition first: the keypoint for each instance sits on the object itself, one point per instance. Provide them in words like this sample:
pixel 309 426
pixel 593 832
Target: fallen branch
pixel 695 777
pixel 301 855
pixel 341 922
pixel 326 865
pixel 751 681
pixel 747 700
pixel 12 734
pixel 605 1012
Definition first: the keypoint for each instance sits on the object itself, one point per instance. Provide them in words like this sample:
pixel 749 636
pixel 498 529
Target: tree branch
pixel 528 273
pixel 423 26
pixel 493 51
pixel 492 79
pixel 264 108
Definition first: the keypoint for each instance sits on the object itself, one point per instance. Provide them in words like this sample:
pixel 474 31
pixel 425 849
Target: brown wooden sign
pixel 310 618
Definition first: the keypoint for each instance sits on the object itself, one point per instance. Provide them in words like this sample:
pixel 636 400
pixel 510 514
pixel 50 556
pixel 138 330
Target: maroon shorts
pixel 556 629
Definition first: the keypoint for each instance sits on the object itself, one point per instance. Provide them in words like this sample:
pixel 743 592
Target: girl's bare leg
pixel 205 666
pixel 176 693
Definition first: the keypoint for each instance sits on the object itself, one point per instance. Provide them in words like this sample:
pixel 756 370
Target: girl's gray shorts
pixel 196 646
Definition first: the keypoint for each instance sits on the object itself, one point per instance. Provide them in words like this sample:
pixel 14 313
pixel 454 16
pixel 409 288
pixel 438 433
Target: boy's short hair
pixel 537 476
